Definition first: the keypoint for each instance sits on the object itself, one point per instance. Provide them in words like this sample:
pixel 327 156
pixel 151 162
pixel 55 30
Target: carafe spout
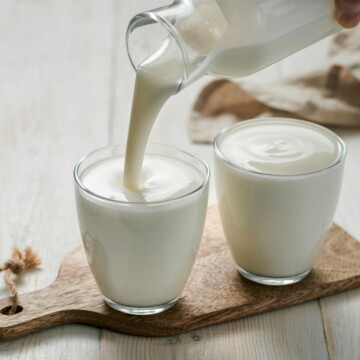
pixel 190 31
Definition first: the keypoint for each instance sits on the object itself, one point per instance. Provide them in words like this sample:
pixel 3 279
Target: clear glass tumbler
pixel 276 220
pixel 141 253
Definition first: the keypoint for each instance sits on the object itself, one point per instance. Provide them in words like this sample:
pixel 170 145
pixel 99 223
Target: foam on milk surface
pixel 280 148
pixel 162 179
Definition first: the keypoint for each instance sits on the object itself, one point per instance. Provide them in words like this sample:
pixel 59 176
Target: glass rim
pixel 217 151
pixel 86 190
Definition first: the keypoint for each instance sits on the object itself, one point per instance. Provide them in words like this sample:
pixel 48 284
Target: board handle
pixel 72 298
pixel 37 310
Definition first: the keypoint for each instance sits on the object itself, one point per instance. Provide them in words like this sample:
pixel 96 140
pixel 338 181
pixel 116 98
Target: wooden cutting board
pixel 215 292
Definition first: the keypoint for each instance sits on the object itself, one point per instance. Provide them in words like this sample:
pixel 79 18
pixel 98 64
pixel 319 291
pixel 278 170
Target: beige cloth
pixel 330 96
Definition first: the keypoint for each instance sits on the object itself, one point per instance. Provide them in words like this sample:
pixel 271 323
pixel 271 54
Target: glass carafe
pixel 232 38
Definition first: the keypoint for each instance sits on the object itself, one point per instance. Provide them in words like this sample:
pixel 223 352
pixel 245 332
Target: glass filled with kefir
pixel 141 243
pixel 278 183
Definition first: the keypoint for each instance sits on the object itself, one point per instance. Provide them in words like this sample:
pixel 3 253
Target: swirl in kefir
pixel 162 178
pixel 280 148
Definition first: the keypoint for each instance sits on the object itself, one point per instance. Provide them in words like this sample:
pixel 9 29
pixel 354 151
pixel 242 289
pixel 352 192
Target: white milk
pixel 260 33
pixel 240 37
pixel 157 79
pixel 280 148
pixel 278 187
pixel 163 178
pixel 141 244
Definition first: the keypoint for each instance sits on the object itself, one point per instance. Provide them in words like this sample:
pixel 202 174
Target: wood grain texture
pixel 291 333
pixel 341 313
pixel 215 292
pixel 54 102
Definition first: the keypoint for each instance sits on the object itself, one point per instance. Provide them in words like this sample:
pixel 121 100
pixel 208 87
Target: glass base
pixel 278 281
pixel 135 310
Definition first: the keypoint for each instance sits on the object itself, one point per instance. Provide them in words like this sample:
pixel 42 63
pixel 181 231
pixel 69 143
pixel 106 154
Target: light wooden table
pixel 65 89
